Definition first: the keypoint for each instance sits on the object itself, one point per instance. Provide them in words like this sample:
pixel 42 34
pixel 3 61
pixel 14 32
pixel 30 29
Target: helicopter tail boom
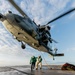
pixel 55 54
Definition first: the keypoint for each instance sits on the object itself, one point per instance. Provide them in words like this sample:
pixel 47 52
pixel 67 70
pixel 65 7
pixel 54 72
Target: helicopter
pixel 27 31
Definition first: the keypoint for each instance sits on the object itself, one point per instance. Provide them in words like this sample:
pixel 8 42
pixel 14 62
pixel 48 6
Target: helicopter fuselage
pixel 23 29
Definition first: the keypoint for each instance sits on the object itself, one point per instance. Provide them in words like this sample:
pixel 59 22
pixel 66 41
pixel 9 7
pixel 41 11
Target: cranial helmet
pixel 39 56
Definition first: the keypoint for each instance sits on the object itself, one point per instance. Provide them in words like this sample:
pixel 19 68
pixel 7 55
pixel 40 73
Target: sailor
pixel 33 61
pixel 38 62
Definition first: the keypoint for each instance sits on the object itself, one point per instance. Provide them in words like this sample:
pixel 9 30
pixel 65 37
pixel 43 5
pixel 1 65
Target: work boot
pixel 36 68
pixel 40 68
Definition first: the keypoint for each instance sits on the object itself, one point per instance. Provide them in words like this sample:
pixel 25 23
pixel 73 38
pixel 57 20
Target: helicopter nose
pixel 1 16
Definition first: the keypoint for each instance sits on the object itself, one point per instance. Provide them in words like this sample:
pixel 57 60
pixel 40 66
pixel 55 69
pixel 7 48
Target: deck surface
pixel 25 70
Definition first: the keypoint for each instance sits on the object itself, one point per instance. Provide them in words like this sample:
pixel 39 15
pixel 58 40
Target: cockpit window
pixel 18 19
pixel 29 21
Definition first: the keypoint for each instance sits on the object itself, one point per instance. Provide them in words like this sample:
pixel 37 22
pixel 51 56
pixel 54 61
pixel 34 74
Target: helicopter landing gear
pixel 53 58
pixel 55 49
pixel 23 45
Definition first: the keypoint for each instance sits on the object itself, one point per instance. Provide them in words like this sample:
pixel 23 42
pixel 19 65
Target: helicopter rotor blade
pixel 18 8
pixel 61 16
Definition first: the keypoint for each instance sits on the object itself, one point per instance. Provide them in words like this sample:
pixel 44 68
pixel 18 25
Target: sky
pixel 41 11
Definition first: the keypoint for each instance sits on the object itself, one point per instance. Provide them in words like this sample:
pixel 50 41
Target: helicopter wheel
pixel 23 45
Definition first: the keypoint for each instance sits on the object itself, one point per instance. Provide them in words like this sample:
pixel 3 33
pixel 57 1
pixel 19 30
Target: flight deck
pixel 25 70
